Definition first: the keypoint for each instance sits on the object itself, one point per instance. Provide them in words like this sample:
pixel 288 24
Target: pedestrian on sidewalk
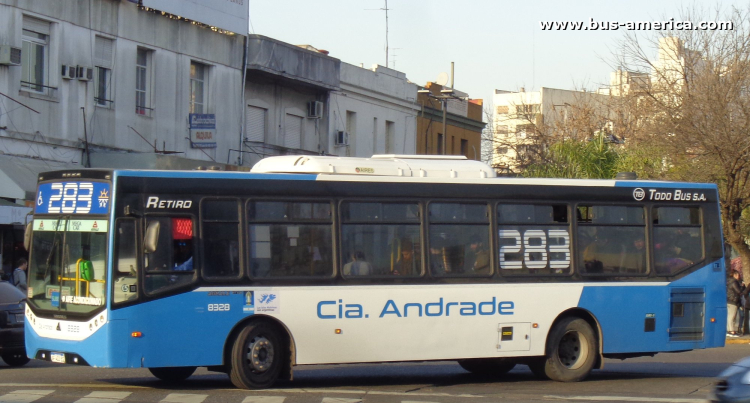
pixel 734 292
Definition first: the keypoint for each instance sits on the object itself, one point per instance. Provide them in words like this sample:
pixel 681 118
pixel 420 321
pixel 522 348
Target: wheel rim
pixel 260 354
pixel 573 350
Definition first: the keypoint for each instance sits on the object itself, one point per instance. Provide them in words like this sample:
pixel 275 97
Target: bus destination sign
pixel 73 198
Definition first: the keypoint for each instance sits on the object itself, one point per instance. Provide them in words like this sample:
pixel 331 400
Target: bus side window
pixel 290 239
pixel 459 239
pixel 126 265
pixel 171 264
pixel 386 235
pixel 677 238
pixel 611 240
pixel 221 228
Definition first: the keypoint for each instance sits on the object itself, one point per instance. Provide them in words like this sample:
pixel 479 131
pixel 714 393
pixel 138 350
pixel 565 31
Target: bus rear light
pixel 338 331
pixel 713 320
pixel 535 325
pixel 136 334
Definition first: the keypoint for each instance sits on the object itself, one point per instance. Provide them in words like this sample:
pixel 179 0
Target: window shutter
pixel 36 25
pixel 103 51
pixel 255 123
pixel 293 132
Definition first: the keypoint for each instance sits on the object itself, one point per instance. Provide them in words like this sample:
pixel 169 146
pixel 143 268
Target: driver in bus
pixel 183 256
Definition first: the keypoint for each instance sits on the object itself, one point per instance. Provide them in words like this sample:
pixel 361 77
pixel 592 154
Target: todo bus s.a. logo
pixel 340 309
pixel 670 195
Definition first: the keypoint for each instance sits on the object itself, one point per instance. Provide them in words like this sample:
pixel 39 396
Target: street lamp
pixel 444 96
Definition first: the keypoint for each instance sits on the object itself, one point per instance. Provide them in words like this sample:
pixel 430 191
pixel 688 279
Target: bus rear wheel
pixel 172 374
pixel 257 356
pixel 487 366
pixel 571 352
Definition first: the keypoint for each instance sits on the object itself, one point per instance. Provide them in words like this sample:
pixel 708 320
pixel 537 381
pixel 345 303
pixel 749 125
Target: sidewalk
pixel 738 340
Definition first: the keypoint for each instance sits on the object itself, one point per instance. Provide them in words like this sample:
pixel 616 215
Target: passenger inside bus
pixel 357 266
pixel 408 264
pixel 481 256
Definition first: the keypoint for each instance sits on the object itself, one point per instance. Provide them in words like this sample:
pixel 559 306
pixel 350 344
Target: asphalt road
pixel 684 378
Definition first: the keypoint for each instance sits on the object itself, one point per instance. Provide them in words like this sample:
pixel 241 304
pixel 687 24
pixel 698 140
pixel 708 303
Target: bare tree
pixel 698 108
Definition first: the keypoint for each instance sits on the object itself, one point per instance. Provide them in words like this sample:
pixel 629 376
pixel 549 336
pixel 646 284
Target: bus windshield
pixel 67 271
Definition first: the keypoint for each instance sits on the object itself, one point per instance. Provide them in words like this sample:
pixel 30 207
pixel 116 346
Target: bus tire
pixel 571 352
pixel 257 356
pixel 15 359
pixel 487 366
pixel 172 374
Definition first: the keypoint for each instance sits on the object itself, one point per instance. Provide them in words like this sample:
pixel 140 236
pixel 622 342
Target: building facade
pixel 374 113
pixel 462 132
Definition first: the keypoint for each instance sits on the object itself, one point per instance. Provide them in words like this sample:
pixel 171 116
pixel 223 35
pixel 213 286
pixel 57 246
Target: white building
pixel 374 113
pixel 521 117
pixel 100 82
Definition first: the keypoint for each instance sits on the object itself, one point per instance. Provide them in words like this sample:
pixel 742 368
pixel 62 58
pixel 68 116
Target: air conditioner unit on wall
pixel 68 72
pixel 341 138
pixel 315 109
pixel 10 56
pixel 84 73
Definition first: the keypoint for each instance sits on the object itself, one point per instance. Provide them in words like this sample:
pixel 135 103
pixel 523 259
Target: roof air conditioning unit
pixel 315 109
pixel 341 139
pixel 68 72
pixel 10 56
pixel 85 73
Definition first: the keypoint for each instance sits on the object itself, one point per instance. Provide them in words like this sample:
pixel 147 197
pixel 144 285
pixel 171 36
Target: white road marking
pixel 184 398
pixel 627 399
pixel 24 396
pixel 103 397
pixel 340 400
pixel 264 399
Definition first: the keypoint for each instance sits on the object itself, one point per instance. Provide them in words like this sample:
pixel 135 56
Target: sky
pixel 494 44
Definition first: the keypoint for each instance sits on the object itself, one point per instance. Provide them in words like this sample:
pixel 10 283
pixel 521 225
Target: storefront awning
pixel 18 175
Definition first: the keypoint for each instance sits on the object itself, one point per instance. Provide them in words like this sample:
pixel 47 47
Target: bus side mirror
pixel 151 240
pixel 27 235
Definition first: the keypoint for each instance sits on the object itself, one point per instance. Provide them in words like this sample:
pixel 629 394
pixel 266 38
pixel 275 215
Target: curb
pixel 738 340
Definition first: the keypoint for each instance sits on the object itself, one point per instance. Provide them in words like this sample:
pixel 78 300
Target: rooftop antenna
pixel 394 57
pixel 386 28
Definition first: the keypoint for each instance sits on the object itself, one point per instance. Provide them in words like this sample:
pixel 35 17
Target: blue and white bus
pixel 324 260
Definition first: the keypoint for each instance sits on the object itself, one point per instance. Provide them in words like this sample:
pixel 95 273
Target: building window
pixel 103 66
pixel 390 134
pixel 440 150
pixel 293 131
pixel 502 110
pixel 35 55
pixel 143 82
pixel 103 80
pixel 465 148
pixel 198 88
pixel 502 150
pixel 255 122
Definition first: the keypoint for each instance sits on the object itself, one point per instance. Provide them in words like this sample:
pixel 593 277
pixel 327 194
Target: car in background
pixel 12 343
pixel 733 384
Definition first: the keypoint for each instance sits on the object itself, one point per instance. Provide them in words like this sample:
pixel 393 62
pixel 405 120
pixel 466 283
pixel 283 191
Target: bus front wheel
pixel 571 352
pixel 172 374
pixel 257 357
pixel 487 366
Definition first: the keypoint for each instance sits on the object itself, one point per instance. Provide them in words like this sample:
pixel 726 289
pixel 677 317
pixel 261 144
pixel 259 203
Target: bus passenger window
pixel 221 228
pixel 612 240
pixel 533 239
pixel 677 238
pixel 386 234
pixel 172 264
pixel 459 239
pixel 290 239
pixel 125 275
